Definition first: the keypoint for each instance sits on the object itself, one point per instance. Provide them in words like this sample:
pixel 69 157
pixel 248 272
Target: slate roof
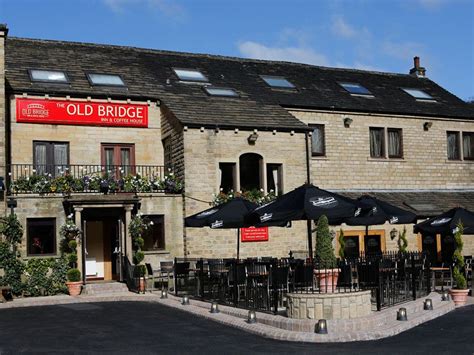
pixel 148 74
pixel 424 203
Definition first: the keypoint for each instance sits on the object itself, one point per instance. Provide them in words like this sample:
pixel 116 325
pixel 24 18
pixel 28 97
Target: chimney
pixel 417 70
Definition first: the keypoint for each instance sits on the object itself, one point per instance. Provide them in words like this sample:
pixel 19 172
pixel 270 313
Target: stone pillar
pixel 128 238
pixel 78 221
pixel 3 112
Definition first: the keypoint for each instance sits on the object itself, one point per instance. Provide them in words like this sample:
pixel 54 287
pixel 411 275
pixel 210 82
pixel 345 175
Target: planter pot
pixel 74 288
pixel 459 296
pixel 327 279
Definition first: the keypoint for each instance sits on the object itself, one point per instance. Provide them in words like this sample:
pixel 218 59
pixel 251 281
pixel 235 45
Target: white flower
pixel 34 170
pixel 70 216
pixel 151 223
pixel 261 190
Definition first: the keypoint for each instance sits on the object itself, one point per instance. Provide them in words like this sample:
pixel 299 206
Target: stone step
pixel 105 288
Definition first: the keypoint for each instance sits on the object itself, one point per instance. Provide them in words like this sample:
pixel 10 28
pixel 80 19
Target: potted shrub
pixel 326 271
pixel 74 282
pixel 460 292
pixel 137 228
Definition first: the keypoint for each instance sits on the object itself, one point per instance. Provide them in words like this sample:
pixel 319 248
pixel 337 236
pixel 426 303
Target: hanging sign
pixel 81 113
pixel 253 234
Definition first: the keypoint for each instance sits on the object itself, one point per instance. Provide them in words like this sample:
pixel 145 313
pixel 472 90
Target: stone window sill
pixel 387 160
pixel 156 252
pixel 459 161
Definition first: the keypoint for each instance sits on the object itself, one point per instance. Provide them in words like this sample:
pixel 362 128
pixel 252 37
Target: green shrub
pixel 73 275
pixel 72 244
pixel 140 271
pixel 12 268
pixel 458 271
pixel 11 228
pixel 45 276
pixel 138 257
pixel 342 244
pixel 72 258
pixel 402 241
pixel 324 251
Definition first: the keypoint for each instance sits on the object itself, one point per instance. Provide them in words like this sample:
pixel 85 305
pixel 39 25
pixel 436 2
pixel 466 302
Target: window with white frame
pixel 453 144
pixel 318 144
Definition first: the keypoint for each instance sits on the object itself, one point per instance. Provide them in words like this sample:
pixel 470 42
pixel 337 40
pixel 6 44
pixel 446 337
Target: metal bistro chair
pixel 181 272
pixel 279 283
pixel 165 273
pixel 237 278
pixel 150 276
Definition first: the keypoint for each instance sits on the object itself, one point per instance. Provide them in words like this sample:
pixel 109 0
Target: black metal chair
pixel 150 276
pixel 279 284
pixel 165 273
pixel 181 273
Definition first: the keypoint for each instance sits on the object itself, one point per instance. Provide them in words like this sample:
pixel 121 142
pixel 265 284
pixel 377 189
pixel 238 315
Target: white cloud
pixel 298 54
pixel 402 50
pixel 342 29
pixel 169 8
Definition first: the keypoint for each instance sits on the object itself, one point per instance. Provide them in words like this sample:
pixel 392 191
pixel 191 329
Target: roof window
pixel 190 75
pixel 105 79
pixel 214 91
pixel 418 94
pixel 53 76
pixel 277 82
pixel 355 88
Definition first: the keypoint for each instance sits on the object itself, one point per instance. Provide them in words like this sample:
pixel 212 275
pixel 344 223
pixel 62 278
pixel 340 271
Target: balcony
pixel 68 179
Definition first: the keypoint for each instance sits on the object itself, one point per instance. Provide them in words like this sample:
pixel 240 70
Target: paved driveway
pixel 139 327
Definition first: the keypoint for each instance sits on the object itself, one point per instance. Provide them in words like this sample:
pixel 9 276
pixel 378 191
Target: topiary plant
pixel 73 275
pixel 324 254
pixel 342 244
pixel 402 241
pixel 458 259
pixel 11 228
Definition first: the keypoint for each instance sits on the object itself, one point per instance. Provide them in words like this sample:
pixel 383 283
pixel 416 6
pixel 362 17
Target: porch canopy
pixel 446 223
pixel 306 202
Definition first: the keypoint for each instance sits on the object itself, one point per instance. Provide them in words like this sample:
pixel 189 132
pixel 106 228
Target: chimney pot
pixel 417 70
pixel 416 62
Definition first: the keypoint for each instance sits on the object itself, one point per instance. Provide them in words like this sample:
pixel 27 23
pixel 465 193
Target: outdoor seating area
pixel 264 283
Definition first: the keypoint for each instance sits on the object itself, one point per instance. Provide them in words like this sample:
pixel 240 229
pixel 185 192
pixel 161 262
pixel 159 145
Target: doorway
pixel 429 246
pixel 373 244
pixel 102 244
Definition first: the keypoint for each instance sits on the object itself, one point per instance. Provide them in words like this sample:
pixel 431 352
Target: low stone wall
pixel 328 305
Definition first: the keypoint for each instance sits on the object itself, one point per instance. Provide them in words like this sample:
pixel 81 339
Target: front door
pixel 351 246
pixel 429 247
pixel 372 244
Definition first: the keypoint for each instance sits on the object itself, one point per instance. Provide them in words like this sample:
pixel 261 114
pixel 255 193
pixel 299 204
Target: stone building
pixel 100 112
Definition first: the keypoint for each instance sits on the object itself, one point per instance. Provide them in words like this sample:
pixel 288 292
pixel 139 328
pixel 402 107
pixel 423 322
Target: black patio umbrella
pixel 446 222
pixel 379 213
pixel 306 202
pixel 227 215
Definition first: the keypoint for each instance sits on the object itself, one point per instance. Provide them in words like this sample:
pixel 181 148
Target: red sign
pixel 253 234
pixel 81 113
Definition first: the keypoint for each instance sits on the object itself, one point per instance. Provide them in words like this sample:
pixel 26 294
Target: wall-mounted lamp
pixel 393 234
pixel 252 138
pixel 427 125
pixel 158 103
pixel 347 121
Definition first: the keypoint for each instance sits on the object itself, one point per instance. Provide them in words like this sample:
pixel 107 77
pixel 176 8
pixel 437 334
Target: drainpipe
pixel 308 180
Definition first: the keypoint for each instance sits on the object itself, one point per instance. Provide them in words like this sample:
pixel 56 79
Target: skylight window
pixel 277 82
pixel 55 76
pixel 105 79
pixel 355 89
pixel 213 91
pixel 190 75
pixel 418 94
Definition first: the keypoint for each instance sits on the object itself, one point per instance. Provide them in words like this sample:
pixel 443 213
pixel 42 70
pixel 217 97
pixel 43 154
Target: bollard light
pixel 428 305
pixel 402 314
pixel 252 317
pixel 321 327
pixel 445 296
pixel 185 301
pixel 214 307
pixel 164 294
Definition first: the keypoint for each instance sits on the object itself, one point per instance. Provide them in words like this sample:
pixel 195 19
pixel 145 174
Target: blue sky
pixel 365 34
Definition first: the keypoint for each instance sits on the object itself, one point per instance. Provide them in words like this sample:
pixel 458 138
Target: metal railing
pixel 133 276
pixel 263 284
pixel 46 179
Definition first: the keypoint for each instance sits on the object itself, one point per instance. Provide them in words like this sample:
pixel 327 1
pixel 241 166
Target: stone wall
pixel 328 305
pixel 348 165
pixel 85 141
pixel 203 151
pixel 171 128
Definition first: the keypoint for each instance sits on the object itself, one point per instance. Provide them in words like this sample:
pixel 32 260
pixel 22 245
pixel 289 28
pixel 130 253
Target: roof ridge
pixel 204 55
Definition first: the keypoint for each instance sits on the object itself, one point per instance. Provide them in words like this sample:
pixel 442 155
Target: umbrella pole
pixel 310 240
pixel 366 235
pixel 238 243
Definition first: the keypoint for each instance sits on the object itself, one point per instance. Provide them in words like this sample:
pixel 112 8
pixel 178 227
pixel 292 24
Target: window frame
pixel 167 144
pixel 206 90
pixel 278 77
pixel 428 99
pixel 154 218
pixel 314 126
pixel 33 80
pixel 234 175
pixel 384 143
pixel 117 148
pixel 39 221
pixel 462 145
pixel 50 154
pixel 205 80
pixel 280 174
pixel 368 93
pixel 459 145
pixel 400 130
pixel 91 82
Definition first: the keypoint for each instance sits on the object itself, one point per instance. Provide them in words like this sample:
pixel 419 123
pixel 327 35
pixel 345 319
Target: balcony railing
pixel 67 179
